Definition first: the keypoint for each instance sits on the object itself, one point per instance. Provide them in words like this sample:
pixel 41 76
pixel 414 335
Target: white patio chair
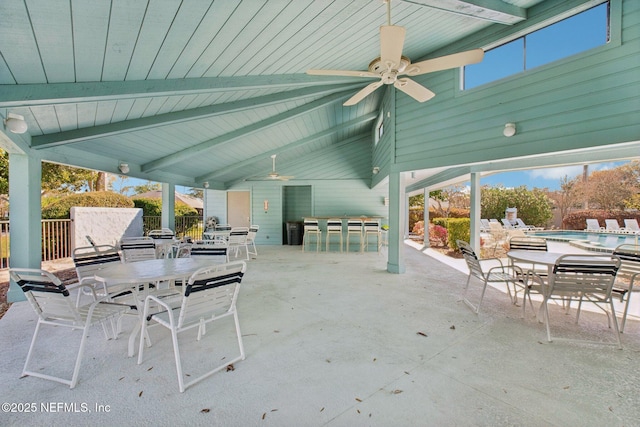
pixel 251 240
pixel 354 228
pixel 137 248
pixel 632 225
pixel 163 233
pixel 585 278
pixel 311 229
pixel 529 243
pixel 613 226
pixel 334 228
pixel 216 250
pixel 237 240
pixel 498 274
pixel 88 260
pixel 210 295
pixel 51 301
pixel 628 274
pixel 484 225
pixel 506 224
pixel 593 225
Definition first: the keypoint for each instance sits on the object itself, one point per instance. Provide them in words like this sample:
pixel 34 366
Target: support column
pixel 397 221
pixel 425 218
pixel 475 212
pixel 168 219
pixel 25 216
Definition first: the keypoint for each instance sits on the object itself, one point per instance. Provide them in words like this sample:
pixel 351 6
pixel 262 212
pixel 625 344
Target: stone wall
pixel 106 226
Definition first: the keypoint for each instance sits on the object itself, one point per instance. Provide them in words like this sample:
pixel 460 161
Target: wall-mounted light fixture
pixel 385 201
pixel 124 168
pixel 205 184
pixel 266 206
pixel 375 170
pixel 15 123
pixel 509 129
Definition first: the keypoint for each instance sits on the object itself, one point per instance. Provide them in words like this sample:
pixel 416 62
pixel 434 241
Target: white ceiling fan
pixel 274 175
pixel 391 64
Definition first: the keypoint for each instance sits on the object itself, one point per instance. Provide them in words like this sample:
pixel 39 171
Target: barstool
pixel 354 228
pixel 311 228
pixel 372 228
pixel 334 228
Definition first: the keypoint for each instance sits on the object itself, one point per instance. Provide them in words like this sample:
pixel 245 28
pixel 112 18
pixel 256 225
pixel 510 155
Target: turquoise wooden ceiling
pixel 194 91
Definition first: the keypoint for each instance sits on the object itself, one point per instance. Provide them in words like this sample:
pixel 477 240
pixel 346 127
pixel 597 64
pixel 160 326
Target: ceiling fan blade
pixel 445 62
pixel 414 90
pixel 391 43
pixel 368 89
pixel 345 73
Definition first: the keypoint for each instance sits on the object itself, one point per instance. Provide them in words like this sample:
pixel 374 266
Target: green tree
pixel 67 179
pixel 4 172
pixel 146 187
pixel 534 207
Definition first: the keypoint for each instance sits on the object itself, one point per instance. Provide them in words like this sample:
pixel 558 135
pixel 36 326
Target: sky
pixel 542 178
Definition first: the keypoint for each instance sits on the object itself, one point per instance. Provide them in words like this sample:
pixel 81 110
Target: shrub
pixel 60 208
pixel 438 235
pixel 457 229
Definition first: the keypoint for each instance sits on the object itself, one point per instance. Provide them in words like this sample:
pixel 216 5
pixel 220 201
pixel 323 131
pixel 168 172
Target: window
pixel 575 34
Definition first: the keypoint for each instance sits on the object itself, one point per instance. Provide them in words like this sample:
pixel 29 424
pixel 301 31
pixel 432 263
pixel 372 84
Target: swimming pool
pixel 600 242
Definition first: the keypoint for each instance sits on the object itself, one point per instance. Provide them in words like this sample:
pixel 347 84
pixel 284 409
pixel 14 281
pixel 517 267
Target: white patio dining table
pixel 536 257
pixel 139 273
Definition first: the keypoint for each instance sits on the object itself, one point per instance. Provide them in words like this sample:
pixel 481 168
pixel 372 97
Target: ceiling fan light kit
pixel 391 64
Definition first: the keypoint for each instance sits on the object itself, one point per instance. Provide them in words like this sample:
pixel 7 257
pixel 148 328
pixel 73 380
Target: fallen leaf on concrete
pixel 421 333
pixel 205 410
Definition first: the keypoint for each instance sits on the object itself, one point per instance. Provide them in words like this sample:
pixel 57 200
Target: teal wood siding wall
pixel 340 185
pixel 383 151
pixel 590 99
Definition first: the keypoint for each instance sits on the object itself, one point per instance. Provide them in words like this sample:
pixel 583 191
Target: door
pixel 238 208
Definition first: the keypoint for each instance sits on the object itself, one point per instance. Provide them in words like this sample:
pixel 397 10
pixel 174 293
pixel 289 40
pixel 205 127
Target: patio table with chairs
pixel 138 277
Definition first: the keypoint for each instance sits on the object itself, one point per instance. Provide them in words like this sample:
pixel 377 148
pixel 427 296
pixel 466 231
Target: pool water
pixel 591 240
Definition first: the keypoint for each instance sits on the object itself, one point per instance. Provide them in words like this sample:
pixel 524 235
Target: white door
pixel 238 208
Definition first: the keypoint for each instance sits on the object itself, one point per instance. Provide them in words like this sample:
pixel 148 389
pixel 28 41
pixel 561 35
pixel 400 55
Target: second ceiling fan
pixel 390 65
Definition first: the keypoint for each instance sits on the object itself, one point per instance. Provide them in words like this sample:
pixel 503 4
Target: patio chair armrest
pixel 492 259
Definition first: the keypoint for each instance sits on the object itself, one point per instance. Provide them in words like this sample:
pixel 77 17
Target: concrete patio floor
pixel 335 340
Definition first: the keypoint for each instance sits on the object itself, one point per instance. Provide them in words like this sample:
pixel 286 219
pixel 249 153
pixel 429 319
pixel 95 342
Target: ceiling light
pixel 375 170
pixel 205 184
pixel 509 129
pixel 124 168
pixel 15 123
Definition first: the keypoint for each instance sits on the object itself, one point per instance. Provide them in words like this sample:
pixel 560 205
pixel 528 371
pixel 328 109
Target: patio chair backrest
pixel 49 298
pixel 612 224
pixel 470 257
pixel 211 291
pixel 575 275
pixel 506 223
pixel 164 233
pixel 593 224
pixel 88 259
pixel 528 243
pixel 137 248
pixel 213 249
pixel 630 260
pixel 354 225
pixel 631 224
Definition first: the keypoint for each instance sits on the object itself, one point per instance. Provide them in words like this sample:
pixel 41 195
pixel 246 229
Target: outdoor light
pixel 266 206
pixel 509 129
pixel 205 184
pixel 124 168
pixel 15 123
pixel 376 170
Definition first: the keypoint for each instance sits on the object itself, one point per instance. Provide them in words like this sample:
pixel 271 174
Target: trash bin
pixel 294 233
